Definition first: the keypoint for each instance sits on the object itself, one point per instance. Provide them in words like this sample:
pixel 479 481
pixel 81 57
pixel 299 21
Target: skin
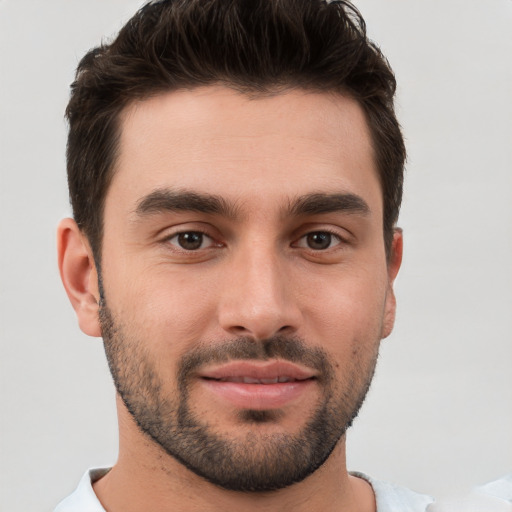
pixel 255 274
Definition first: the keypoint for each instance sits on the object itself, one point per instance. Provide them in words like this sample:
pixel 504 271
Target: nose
pixel 258 298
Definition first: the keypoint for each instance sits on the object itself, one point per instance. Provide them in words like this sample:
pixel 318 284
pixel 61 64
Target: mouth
pixel 258 385
pixel 259 372
pixel 251 380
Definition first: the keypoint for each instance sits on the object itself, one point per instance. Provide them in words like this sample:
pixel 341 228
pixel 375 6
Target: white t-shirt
pixel 500 489
pixel 495 496
pixel 389 497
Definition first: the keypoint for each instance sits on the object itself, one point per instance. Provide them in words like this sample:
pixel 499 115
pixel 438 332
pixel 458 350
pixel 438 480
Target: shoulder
pixel 501 488
pixel 390 497
pixel 83 498
pixel 495 496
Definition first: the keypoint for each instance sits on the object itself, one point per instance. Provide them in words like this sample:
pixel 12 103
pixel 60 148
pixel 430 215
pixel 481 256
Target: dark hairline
pixel 250 93
pixel 262 49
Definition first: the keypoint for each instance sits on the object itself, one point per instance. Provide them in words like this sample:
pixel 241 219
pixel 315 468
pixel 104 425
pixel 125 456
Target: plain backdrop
pixel 439 415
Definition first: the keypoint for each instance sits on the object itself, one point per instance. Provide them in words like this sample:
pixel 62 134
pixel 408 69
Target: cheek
pixel 157 304
pixel 346 318
pixel 351 300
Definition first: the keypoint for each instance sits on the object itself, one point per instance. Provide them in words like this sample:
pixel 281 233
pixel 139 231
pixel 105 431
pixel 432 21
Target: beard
pixel 257 462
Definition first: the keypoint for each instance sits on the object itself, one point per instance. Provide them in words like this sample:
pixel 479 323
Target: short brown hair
pixel 254 46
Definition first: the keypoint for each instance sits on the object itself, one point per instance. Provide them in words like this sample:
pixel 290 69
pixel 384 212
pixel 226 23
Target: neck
pixel 146 478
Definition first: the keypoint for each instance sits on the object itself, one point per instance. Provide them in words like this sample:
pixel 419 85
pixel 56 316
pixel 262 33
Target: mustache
pixel 293 349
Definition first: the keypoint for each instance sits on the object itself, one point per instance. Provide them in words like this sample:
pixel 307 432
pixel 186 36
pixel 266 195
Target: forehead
pixel 222 142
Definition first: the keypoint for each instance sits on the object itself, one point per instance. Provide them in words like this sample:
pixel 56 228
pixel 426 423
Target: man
pixel 235 171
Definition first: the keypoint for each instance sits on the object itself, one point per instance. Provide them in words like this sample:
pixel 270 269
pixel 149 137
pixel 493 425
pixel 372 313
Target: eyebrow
pixel 316 204
pixel 168 200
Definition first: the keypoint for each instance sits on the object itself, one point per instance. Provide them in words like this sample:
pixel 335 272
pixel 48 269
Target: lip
pixel 258 370
pixel 276 383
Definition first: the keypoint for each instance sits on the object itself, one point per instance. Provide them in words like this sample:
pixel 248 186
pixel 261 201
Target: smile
pixel 252 380
pixel 258 385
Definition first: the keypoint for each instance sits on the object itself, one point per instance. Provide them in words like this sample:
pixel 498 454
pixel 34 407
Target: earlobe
pixel 79 275
pixel 395 260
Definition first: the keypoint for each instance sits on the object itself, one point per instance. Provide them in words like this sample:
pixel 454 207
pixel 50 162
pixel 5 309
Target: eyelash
pixel 203 234
pixel 332 234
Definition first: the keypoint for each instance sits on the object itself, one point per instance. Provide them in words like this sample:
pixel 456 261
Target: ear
pixel 395 260
pixel 79 275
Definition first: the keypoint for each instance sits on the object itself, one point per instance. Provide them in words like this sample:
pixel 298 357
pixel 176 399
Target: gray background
pixel 439 415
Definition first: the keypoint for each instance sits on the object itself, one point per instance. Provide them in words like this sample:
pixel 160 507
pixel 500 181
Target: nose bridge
pixel 258 300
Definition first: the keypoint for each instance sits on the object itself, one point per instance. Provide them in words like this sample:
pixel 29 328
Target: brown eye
pixel 191 240
pixel 319 240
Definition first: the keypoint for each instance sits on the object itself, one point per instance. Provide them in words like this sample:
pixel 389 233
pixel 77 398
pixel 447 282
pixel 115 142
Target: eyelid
pixel 187 227
pixel 171 232
pixel 336 236
pixel 340 232
pixel 204 235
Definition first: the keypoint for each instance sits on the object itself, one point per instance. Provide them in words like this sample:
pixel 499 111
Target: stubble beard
pixel 258 462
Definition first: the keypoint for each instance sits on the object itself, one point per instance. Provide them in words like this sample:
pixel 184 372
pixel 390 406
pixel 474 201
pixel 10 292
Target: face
pixel 245 286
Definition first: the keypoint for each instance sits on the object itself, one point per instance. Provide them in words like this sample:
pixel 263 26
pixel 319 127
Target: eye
pixel 191 240
pixel 319 240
